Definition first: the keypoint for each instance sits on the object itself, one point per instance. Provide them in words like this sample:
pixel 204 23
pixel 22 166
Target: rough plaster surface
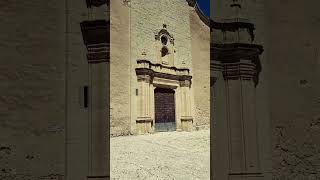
pixel 170 155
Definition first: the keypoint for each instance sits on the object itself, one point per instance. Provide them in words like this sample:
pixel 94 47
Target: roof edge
pixel 204 18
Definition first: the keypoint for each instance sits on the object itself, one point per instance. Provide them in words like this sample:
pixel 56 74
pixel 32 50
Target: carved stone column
pixel 144 120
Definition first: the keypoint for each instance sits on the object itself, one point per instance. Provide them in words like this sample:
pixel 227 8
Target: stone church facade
pixel 67 59
pixel 60 68
pixel 159 65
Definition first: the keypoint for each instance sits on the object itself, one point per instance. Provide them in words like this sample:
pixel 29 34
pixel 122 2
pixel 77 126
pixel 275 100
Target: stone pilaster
pixel 219 125
pixel 234 112
pixel 235 66
pixel 186 116
pixel 96 38
pixel 144 120
pixel 243 136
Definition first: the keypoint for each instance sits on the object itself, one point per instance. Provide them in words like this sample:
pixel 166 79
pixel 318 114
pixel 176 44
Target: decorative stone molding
pixel 97 3
pixel 185 83
pixel 98 177
pixel 150 76
pixel 145 78
pixel 164 46
pixel 126 3
pixel 145 67
pixel 98 53
pixel 162 32
pixel 186 123
pixel 96 38
pixel 187 118
pixel 237 60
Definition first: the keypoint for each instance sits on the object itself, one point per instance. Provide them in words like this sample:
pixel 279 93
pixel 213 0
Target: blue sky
pixel 204 6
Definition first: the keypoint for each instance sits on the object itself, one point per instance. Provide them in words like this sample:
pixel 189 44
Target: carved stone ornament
pixel 126 2
pixel 97 3
pixel 147 70
pixel 159 34
pixel 146 78
pixel 185 83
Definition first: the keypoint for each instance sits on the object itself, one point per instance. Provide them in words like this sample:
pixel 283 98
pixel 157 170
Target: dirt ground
pixel 163 155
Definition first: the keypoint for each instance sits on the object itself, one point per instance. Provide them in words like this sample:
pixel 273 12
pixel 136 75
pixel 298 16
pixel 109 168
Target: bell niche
pixel 164 44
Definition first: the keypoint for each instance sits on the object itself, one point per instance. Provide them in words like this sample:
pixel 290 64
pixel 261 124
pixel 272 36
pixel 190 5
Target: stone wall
pixel 200 44
pixel 148 17
pixel 120 68
pixel 32 93
pixel 287 94
pixel 44 124
pixel 293 41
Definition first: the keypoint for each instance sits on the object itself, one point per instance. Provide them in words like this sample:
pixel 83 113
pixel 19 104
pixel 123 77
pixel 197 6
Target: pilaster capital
pixel 145 78
pixel 236 61
pixel 185 83
pixel 96 38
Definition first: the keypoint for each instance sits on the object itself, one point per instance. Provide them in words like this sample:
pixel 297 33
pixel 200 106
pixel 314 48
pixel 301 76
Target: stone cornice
pixel 234 51
pixel 243 69
pixel 237 60
pixel 147 71
pixel 233 25
pixel 152 73
pixel 95 32
pixel 149 64
pixel 96 37
pixel 97 3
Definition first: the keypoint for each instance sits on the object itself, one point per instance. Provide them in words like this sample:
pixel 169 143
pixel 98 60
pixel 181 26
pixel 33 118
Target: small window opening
pixel 164 40
pixel 164 51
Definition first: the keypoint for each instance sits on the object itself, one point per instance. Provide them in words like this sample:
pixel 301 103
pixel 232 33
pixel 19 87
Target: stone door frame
pixel 151 76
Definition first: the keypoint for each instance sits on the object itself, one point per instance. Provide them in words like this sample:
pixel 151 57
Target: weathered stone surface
pixel 200 49
pixel 136 29
pixel 44 125
pixel 287 98
pixel 292 41
pixel 120 70
pixel 32 125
